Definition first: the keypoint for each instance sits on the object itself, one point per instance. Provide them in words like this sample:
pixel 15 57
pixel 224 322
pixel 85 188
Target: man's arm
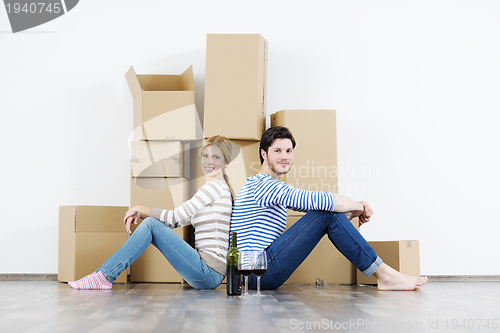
pixel 344 205
pixel 361 209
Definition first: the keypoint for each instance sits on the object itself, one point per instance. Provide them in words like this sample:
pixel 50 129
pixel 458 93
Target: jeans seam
pixel 177 251
pixel 296 235
pixel 347 232
pixel 132 255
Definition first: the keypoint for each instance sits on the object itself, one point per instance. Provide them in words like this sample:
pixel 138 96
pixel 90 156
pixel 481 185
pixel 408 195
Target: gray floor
pixel 46 306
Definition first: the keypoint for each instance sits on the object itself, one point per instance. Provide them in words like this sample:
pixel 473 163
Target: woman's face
pixel 212 160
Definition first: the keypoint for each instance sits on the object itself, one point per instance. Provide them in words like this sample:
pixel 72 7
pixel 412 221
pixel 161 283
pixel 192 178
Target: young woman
pixel 209 211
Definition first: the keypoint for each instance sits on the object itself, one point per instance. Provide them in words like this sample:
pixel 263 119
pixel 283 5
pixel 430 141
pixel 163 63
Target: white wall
pixel 415 85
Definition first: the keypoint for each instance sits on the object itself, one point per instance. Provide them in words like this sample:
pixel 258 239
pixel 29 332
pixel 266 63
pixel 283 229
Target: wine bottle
pixel 233 286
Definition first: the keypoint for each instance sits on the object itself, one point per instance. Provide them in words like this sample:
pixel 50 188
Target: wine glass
pixel 245 267
pixel 259 269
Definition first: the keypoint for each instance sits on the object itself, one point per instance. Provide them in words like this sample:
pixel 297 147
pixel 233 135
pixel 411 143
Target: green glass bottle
pixel 232 274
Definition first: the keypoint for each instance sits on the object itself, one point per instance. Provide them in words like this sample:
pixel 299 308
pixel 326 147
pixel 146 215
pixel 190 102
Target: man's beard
pixel 273 169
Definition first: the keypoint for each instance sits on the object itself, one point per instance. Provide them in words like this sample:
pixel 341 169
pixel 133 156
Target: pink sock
pixel 94 281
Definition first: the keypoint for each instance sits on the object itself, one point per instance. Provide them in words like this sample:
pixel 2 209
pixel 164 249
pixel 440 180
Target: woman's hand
pixel 131 216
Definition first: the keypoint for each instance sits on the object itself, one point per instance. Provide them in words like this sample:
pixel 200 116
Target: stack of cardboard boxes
pixel 235 102
pixel 165 121
pixel 315 169
pixel 166 162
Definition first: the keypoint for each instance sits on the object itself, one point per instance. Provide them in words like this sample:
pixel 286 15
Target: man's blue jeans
pixel 186 260
pixel 289 250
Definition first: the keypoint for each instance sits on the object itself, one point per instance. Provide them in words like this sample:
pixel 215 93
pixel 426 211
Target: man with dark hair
pixel 259 218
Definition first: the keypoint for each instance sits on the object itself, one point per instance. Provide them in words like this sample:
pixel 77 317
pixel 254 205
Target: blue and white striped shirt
pixel 259 211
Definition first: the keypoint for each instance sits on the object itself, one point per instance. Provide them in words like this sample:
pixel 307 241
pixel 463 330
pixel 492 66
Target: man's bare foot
pixel 390 279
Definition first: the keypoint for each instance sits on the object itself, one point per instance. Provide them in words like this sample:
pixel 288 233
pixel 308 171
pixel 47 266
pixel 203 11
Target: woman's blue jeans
pixel 289 250
pixel 186 260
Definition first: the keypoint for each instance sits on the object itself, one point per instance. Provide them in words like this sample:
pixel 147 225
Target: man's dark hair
pixel 273 133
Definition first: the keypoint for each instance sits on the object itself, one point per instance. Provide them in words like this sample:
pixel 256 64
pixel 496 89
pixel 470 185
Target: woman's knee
pixel 149 223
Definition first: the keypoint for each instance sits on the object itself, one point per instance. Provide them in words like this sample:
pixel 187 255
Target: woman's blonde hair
pixel 226 147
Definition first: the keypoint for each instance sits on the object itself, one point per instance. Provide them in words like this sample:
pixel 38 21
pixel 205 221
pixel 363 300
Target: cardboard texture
pixel 235 86
pixel 166 193
pixel 245 163
pixel 403 256
pixel 88 236
pixel 325 262
pixel 315 166
pixel 164 107
pixel 156 159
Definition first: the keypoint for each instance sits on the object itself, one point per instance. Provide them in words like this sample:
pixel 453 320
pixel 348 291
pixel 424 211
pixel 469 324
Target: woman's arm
pixel 182 215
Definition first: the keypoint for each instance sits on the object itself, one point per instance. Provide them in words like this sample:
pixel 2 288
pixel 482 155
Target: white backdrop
pixel 415 85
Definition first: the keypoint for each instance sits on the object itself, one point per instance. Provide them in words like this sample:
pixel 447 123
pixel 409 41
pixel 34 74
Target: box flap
pixel 187 79
pixel 133 82
pixel 67 219
pixel 100 219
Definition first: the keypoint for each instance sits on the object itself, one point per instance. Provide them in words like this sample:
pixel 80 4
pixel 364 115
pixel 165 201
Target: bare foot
pixel 390 279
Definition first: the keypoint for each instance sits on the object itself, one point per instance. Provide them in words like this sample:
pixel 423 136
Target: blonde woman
pixel 209 211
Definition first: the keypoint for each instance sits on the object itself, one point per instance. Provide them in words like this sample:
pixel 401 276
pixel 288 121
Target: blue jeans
pixel 186 260
pixel 289 250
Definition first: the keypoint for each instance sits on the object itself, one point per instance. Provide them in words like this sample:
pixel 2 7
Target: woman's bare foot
pixel 390 279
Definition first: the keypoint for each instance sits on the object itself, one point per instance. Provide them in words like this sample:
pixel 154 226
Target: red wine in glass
pixel 259 272
pixel 246 272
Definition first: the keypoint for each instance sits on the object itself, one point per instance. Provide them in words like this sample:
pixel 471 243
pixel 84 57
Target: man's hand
pixel 362 215
pixel 367 213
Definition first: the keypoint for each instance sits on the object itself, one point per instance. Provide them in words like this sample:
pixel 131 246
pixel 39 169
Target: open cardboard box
pixel 164 106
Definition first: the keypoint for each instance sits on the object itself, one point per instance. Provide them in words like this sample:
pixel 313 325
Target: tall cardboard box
pixel 315 166
pixel 403 256
pixel 325 262
pixel 157 159
pixel 235 86
pixel 166 193
pixel 164 107
pixel 88 236
pixel 245 163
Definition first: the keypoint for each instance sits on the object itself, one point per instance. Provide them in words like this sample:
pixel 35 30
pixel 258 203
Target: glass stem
pixel 246 285
pixel 258 285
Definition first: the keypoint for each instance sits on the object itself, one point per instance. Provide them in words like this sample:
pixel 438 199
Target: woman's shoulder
pixel 218 185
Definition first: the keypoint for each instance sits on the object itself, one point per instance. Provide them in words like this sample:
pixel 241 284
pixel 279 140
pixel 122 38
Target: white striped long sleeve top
pixel 259 211
pixel 209 212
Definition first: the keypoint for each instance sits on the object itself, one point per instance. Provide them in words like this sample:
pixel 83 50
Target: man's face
pixel 279 156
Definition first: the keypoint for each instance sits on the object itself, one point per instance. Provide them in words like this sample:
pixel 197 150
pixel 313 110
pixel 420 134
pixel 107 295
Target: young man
pixel 259 218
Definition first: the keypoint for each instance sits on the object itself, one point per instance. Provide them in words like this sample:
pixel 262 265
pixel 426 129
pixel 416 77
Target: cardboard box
pixel 325 262
pixel 88 236
pixel 315 166
pixel 235 86
pixel 402 255
pixel 156 159
pixel 166 193
pixel 245 163
pixel 164 107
